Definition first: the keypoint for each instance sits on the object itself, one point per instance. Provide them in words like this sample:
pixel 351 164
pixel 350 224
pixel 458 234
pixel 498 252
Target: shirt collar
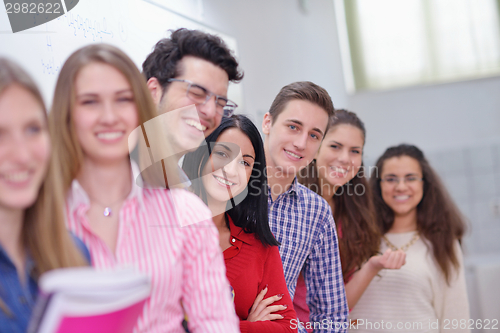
pixel 239 233
pixel 77 195
pixel 292 190
pixel 29 265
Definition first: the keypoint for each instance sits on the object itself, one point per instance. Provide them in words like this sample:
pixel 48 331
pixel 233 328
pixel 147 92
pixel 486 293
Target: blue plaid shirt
pixel 302 222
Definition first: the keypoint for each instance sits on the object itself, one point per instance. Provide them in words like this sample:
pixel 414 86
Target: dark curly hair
pixel 163 62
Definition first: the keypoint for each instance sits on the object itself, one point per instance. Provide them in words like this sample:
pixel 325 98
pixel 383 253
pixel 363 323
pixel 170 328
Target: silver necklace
pixel 107 208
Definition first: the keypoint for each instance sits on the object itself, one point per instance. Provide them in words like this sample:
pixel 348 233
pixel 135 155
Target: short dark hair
pixel 251 213
pixel 302 90
pixel 163 62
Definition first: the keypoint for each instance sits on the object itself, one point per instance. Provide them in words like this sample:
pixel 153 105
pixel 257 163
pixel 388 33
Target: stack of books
pixel 75 300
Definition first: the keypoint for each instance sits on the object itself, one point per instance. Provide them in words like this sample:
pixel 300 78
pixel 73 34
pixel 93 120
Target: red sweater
pixel 250 266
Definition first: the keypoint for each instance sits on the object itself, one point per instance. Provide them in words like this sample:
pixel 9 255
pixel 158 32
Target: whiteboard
pixel 132 25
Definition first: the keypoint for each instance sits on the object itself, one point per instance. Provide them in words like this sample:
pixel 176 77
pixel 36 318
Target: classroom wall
pixel 278 40
pixel 278 44
pixel 456 124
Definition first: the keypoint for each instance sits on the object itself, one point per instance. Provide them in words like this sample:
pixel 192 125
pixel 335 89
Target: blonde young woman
pixel 100 98
pixel 33 237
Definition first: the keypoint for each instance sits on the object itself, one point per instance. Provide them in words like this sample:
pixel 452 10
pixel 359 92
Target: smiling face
pixel 403 196
pixel 340 155
pixel 24 148
pixel 233 158
pixel 203 73
pixel 104 113
pixel 293 139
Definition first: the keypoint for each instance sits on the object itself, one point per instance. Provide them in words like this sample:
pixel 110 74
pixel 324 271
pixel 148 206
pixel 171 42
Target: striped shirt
pixel 303 223
pixel 169 235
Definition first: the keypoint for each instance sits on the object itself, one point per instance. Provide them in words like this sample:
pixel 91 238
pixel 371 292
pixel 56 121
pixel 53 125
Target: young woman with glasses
pixel 33 236
pixel 101 102
pixel 416 214
pixel 338 175
pixel 230 177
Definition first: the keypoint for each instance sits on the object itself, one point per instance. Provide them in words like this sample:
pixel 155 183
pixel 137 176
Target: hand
pixel 389 260
pixel 263 310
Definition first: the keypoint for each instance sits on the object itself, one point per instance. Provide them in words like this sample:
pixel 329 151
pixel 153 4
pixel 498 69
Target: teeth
pixel 292 154
pixel 196 125
pixel 223 181
pixel 17 177
pixel 109 135
pixel 401 197
pixel 337 169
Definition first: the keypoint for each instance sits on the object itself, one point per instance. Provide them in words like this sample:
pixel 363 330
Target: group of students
pixel 248 230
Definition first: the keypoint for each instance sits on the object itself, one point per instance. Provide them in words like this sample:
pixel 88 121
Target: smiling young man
pixel 188 75
pixel 300 219
pixel 192 67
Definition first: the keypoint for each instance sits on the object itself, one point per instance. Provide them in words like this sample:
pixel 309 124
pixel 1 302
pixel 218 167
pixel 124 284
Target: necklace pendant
pixel 107 211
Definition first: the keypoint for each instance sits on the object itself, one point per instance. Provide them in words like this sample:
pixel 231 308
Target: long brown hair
pixel 438 218
pixel 61 115
pixel 44 233
pixel 353 212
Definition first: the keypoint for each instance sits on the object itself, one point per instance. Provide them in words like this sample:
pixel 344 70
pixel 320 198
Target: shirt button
pixel 23 300
pixel 233 240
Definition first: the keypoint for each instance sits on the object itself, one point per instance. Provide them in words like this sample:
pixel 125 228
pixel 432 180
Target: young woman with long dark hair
pixel 416 214
pixel 229 175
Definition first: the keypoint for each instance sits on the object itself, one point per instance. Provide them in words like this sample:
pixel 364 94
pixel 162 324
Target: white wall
pixel 279 43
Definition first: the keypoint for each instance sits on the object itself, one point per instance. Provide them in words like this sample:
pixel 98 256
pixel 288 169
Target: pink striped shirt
pixel 157 236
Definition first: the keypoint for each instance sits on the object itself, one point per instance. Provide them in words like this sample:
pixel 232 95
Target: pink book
pixel 85 300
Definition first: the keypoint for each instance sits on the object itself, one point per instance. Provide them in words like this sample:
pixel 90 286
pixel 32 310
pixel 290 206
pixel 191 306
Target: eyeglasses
pixel 394 181
pixel 200 95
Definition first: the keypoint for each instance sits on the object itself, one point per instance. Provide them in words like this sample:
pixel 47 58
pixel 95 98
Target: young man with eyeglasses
pixel 188 75
pixel 192 67
pixel 299 218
